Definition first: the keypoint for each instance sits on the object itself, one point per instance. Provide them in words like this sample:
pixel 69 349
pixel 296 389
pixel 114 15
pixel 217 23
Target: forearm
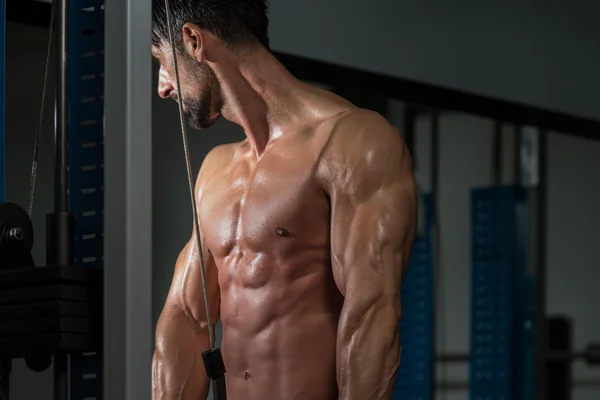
pixel 177 368
pixel 368 354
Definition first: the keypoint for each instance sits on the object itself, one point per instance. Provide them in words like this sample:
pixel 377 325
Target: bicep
pixel 186 292
pixel 371 242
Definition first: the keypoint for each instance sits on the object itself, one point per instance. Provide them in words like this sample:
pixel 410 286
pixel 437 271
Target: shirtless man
pixel 307 225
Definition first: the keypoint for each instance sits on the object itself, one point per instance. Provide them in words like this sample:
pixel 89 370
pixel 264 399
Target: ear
pixel 194 41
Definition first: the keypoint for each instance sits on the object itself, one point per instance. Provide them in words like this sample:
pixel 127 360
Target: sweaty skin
pixel 305 242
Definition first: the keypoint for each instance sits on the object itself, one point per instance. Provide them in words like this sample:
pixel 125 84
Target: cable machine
pixel 52 314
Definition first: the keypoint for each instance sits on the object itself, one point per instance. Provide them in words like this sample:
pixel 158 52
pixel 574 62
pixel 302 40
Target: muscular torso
pixel 266 223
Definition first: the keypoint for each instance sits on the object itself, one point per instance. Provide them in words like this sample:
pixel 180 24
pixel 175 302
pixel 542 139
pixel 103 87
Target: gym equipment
pixel 590 356
pixel 509 323
pixel 501 317
pixel 559 372
pixel 559 358
pixel 86 165
pixel 2 97
pixel 415 379
pixel 213 360
pixel 56 310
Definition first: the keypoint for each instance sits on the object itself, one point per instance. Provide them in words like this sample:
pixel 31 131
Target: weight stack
pixel 415 380
pixel 48 309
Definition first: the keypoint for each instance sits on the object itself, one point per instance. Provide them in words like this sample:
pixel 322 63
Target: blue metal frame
pixel 415 380
pixel 502 296
pixel 86 163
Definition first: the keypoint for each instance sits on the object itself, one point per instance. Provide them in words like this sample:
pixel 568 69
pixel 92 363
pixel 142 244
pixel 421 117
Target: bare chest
pixel 275 207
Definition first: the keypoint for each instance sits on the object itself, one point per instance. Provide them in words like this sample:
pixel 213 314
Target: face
pixel 201 99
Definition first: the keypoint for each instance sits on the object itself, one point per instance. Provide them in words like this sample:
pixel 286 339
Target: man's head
pixel 237 25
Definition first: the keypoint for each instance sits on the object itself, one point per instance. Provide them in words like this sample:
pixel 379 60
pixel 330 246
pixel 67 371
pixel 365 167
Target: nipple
pixel 282 232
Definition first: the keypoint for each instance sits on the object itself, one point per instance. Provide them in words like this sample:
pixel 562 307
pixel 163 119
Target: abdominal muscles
pixel 279 328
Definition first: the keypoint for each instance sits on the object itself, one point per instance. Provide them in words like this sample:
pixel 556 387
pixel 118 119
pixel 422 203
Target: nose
pixel 165 89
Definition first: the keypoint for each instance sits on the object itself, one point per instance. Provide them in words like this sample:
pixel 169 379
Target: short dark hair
pixel 236 22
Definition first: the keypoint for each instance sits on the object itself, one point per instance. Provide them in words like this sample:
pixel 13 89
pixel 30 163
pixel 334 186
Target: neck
pixel 258 94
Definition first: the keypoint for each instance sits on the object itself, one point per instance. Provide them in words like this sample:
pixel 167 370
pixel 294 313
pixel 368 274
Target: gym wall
pixel 539 53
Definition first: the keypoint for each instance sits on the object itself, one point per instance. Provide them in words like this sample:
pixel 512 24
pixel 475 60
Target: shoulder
pixel 215 160
pixel 363 145
pixel 364 125
pixel 221 154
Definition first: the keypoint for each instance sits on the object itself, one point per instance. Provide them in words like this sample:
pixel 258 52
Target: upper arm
pixel 369 179
pixel 186 293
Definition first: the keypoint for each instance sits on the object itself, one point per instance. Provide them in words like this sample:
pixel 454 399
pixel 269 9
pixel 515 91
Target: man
pixel 306 226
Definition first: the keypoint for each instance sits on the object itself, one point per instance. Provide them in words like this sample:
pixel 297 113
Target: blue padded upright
pixel 416 373
pixel 86 163
pixel 500 294
pixel 524 310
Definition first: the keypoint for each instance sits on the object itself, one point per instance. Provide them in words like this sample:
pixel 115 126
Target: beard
pixel 200 109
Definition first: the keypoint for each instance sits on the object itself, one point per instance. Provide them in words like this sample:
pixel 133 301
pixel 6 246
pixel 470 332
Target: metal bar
pixel 458 358
pixel 560 371
pixel 2 99
pixel 452 358
pixel 5 379
pixel 218 388
pixel 439 321
pixel 464 385
pixel 540 324
pixel 497 153
pixel 59 246
pixel 408 130
pixel 61 381
pixel 517 157
pixel 532 176
pixel 555 355
pixel 61 167
pixel 435 152
pixel 128 323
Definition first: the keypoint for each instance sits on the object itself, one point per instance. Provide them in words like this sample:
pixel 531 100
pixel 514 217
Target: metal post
pixel 532 175
pixel 60 240
pixel 5 379
pixel 497 154
pixel 60 235
pixel 560 340
pixel 516 178
pixel 2 98
pixel 408 130
pixel 540 325
pixel 128 323
pixel 439 297
pixel 61 188
pixel 61 381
